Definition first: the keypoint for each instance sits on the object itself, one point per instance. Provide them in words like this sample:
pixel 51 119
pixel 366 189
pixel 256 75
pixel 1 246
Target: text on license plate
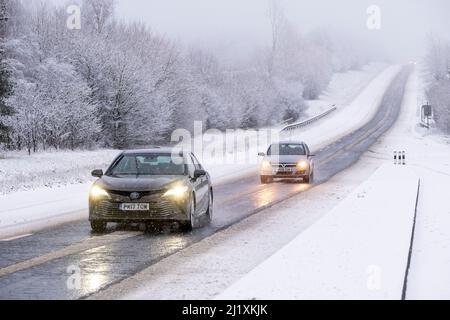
pixel 134 206
pixel 285 170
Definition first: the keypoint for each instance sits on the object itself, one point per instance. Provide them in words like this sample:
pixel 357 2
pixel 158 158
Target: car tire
pixel 98 226
pixel 266 179
pixel 192 223
pixel 309 179
pixel 209 212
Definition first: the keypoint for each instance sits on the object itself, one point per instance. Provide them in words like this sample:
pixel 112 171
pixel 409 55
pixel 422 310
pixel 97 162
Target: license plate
pixel 285 170
pixel 134 206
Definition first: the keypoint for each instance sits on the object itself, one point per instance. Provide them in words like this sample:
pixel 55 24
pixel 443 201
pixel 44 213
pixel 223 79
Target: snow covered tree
pixel 97 14
pixel 120 84
pixel 5 91
pixel 5 76
pixel 437 62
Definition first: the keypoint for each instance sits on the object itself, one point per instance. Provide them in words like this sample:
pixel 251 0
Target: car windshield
pixel 149 164
pixel 287 149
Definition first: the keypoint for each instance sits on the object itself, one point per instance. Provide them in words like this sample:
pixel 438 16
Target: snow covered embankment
pixel 357 251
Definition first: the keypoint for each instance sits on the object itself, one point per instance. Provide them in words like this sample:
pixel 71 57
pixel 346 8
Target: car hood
pixel 286 159
pixel 139 183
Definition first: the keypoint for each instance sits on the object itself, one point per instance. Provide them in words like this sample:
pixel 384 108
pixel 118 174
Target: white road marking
pixel 84 245
pixel 16 237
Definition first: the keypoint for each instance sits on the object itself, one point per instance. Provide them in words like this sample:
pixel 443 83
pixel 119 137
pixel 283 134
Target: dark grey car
pixel 151 185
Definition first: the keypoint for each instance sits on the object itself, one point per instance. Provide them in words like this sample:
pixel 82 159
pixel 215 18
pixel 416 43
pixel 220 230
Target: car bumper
pixel 164 210
pixel 295 174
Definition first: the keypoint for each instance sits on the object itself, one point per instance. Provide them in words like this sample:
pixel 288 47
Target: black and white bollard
pixel 400 158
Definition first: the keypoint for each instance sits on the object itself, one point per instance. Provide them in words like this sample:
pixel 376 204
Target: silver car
pixel 287 160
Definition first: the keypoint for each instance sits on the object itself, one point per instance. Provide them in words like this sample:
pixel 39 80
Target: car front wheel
pixel 192 223
pixel 309 179
pixel 209 212
pixel 98 226
pixel 266 179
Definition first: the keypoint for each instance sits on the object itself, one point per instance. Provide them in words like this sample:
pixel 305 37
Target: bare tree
pixel 278 24
pixel 98 13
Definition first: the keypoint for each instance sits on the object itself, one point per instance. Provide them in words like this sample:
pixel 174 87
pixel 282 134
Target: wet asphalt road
pixel 40 266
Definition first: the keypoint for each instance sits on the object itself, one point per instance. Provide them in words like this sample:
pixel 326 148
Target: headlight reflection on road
pixel 265 197
pixel 268 194
pixel 95 270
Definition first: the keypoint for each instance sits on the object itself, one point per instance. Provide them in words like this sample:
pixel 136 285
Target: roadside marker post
pixel 400 158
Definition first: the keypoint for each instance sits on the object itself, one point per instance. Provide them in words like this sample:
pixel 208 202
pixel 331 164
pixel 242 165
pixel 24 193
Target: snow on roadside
pixel 359 250
pixel 428 154
pixel 29 211
pixel 20 171
pixel 343 88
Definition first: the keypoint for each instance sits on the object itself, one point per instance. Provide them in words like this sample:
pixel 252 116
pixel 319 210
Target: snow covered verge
pixel 359 250
pixel 343 88
pixel 21 172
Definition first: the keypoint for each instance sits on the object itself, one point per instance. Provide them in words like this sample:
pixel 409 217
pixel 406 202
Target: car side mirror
pixel 199 173
pixel 261 154
pixel 97 173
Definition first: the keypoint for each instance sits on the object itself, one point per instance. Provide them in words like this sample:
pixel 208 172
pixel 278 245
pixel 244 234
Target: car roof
pixel 289 142
pixel 150 150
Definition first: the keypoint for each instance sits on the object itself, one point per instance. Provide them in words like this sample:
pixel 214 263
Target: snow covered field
pixel 65 167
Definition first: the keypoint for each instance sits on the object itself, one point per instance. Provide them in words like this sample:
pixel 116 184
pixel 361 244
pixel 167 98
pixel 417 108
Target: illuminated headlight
pixel 303 165
pixel 266 164
pixel 178 192
pixel 98 193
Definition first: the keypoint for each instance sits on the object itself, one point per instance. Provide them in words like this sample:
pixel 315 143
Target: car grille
pixel 161 209
pixel 143 194
pixel 282 165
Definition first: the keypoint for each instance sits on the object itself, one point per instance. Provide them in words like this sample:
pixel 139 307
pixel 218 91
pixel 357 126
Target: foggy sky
pixel 230 25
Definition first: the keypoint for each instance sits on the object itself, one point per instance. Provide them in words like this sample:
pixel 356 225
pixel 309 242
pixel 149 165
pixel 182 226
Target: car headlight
pixel 177 192
pixel 98 193
pixel 303 165
pixel 266 164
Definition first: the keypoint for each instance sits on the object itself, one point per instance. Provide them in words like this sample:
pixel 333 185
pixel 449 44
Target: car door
pixel 202 186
